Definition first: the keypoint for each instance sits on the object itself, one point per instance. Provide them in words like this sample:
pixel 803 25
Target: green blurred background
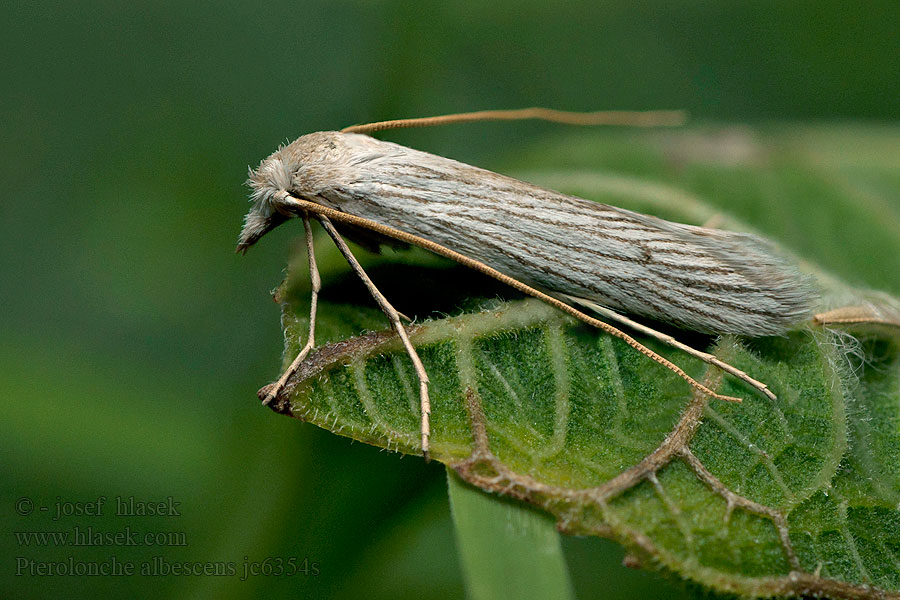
pixel 134 339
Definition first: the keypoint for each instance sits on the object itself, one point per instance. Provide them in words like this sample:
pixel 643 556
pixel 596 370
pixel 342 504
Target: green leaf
pixel 762 498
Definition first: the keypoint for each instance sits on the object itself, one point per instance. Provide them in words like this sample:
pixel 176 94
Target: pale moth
pixel 564 250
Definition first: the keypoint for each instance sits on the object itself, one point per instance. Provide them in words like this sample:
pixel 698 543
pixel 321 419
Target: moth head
pixel 269 184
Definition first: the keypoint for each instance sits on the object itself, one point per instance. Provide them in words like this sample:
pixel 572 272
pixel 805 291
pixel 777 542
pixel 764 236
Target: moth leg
pixel 313 303
pixel 668 339
pixel 394 317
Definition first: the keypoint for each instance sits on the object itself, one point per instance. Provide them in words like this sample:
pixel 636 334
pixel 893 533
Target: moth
pixel 573 253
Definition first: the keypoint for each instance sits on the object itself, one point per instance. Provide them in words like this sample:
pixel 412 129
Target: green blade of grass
pixel 507 549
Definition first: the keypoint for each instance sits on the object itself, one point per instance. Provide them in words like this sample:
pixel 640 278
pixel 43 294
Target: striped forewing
pixel 698 278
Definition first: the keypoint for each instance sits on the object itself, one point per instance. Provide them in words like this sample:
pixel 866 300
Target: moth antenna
pixel 650 118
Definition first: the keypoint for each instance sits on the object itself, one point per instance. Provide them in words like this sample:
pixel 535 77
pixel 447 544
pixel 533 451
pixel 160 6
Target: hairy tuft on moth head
pixel 267 185
pixel 295 169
